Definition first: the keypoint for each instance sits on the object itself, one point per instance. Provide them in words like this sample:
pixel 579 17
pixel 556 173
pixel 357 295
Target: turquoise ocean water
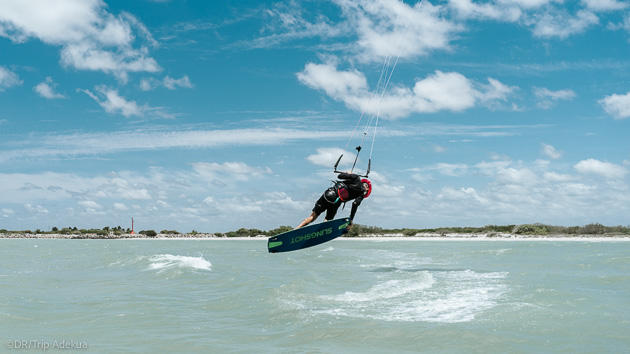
pixel 346 296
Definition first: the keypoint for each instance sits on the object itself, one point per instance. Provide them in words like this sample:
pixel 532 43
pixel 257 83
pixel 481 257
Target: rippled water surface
pixel 344 296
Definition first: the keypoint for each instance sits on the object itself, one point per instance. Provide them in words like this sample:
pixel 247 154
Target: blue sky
pixel 216 115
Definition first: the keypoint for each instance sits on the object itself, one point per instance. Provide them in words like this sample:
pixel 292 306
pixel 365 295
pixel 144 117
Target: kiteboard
pixel 308 236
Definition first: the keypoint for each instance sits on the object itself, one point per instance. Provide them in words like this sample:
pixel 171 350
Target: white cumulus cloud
pixel 602 168
pixel 148 84
pixel 91 38
pixel 505 11
pixel 8 79
pixel 236 170
pixel 562 25
pixel 551 151
pixel 46 89
pixel 394 28
pixel 113 102
pixel 172 84
pixel 340 85
pixel 547 98
pixel 605 5
pixel 545 18
pixel 90 204
pixel 328 157
pixel 616 105
pixel 441 91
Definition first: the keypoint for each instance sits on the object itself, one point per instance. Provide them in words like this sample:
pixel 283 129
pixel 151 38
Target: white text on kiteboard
pixel 315 234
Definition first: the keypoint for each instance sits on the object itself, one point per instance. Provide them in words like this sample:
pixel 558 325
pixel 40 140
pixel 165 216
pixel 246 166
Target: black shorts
pixel 324 205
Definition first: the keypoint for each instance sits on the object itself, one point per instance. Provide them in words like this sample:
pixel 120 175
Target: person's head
pixel 367 187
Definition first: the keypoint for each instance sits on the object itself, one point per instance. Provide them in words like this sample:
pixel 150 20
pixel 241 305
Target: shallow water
pixel 344 296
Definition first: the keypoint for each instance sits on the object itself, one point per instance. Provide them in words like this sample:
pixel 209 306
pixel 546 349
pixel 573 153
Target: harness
pixel 338 192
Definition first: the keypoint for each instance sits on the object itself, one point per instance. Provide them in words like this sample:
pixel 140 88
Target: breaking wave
pixel 162 262
pixel 407 288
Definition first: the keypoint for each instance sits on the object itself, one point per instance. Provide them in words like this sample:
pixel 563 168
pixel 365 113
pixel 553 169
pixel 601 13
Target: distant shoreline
pixel 382 237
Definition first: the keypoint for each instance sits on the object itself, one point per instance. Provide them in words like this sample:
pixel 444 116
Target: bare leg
pixel 308 220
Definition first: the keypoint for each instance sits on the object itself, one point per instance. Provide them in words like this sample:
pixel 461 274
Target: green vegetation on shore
pixel 490 230
pixel 243 232
pixel 71 231
pixel 362 230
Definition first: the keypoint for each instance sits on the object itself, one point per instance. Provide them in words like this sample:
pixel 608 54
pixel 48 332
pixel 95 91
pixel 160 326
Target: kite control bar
pixel 358 148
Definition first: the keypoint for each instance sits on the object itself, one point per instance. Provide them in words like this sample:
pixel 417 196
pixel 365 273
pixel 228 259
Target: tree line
pixel 362 230
pixel 491 230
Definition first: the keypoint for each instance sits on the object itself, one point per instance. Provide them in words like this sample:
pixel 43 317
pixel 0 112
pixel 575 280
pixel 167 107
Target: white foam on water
pixel 328 249
pixel 387 290
pixel 399 260
pixel 163 262
pixel 403 264
pixel 458 306
pixel 496 252
pixel 424 296
pixel 406 287
pixel 116 263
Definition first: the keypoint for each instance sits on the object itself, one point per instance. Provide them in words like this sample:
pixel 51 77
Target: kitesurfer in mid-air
pixel 351 187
